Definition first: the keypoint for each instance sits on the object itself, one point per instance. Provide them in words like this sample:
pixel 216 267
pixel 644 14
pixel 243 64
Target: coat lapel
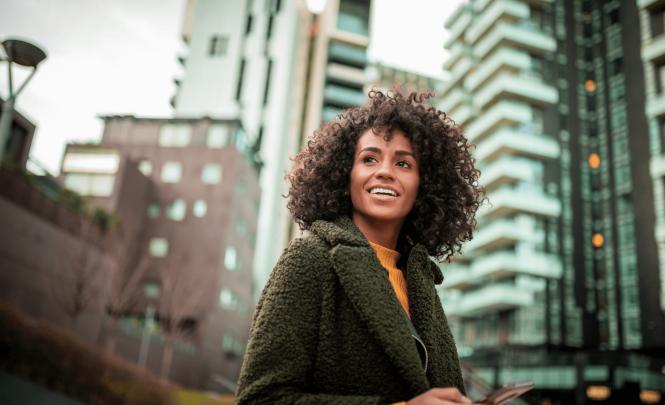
pixel 367 287
pixel 421 276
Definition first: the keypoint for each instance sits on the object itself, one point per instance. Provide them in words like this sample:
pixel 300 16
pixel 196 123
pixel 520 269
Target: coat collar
pixel 366 284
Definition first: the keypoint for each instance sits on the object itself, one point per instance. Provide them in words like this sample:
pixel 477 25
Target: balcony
pixel 463 114
pixel 507 201
pixel 525 87
pixel 503 113
pixel 347 54
pixel 525 35
pixel 517 142
pixel 457 23
pixel 498 234
pixel 649 4
pixel 509 11
pixel 458 277
pixel 660 232
pixel 454 99
pixel 656 106
pixel 346 74
pixel 492 298
pixel 653 50
pixel 343 96
pixel 507 264
pixel 657 166
pixel 503 60
pixel 456 76
pixel 505 171
pixel 455 53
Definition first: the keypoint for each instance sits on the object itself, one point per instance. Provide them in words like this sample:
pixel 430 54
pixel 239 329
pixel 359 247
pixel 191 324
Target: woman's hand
pixel 440 396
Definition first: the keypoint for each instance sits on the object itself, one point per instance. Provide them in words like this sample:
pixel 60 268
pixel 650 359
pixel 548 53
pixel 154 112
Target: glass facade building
pixel 565 258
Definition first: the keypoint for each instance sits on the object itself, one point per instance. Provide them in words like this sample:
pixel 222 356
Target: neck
pixel 381 232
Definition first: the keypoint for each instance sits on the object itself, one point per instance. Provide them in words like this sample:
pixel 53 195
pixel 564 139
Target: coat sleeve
pixel 283 338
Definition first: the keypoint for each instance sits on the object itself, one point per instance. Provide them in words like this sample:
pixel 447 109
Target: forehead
pixel 377 140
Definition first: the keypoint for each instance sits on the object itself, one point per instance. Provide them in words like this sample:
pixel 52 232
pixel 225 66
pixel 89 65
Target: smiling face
pixel 384 178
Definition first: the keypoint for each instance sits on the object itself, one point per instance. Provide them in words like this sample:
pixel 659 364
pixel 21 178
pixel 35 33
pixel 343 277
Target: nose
pixel 384 170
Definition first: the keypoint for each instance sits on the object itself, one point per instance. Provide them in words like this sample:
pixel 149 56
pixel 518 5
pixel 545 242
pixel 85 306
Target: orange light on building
pixel 590 86
pixel 597 240
pixel 650 396
pixel 598 392
pixel 594 160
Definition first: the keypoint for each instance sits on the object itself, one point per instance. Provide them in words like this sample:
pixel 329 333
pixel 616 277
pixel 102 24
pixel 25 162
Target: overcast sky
pixel 119 57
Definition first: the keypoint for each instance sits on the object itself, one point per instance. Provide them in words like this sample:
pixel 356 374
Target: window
pixel 211 173
pixel 218 136
pixel 151 289
pixel 159 247
pixel 200 208
pixel 153 210
pixel 98 162
pixel 90 184
pixel 269 29
pixel 353 17
pixel 218 45
pixel 241 76
pixel 145 167
pixel 171 172
pixel 227 299
pixel 248 26
pixel 266 89
pixel 175 135
pixel 177 210
pixel 231 258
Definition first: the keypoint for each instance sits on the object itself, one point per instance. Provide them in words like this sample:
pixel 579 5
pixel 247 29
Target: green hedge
pixel 64 363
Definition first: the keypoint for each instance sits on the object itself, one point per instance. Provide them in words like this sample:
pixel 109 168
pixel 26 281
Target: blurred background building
pixel 562 282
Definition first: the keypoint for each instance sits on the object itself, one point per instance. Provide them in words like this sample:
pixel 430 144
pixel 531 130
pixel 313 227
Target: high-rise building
pixel 281 71
pixel 386 78
pixel 564 264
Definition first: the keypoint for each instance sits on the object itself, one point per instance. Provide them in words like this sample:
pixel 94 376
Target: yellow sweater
pixel 388 259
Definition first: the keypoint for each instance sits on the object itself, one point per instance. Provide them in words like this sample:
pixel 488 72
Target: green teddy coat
pixel 328 328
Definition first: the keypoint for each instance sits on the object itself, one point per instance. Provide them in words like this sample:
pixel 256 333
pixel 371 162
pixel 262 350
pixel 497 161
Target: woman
pixel 350 314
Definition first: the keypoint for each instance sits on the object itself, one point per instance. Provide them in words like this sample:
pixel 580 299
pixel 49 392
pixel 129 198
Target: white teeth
pixel 379 190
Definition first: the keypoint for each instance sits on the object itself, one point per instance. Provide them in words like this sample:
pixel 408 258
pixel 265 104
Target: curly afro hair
pixel 443 215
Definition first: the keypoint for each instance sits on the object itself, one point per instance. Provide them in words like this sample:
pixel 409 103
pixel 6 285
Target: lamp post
pixel 25 54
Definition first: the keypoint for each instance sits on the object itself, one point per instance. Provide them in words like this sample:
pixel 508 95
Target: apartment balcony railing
pixel 503 113
pixel 346 74
pixel 457 24
pixel 455 98
pixel 657 166
pixel 491 298
pixel 462 114
pixel 525 86
pixel 458 277
pixel 509 11
pixel 499 234
pixel 654 49
pixel 655 106
pixel 507 201
pixel 505 59
pixel 503 264
pixel 649 4
pixel 525 141
pixel 524 35
pixel 343 97
pixel 347 54
pixel 506 170
pixel 457 75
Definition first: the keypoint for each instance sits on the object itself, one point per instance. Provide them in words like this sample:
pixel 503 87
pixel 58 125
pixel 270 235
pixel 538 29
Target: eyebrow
pixel 377 150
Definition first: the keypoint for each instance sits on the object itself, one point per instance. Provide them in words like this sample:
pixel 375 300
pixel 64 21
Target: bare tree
pixel 181 301
pixel 121 294
pixel 77 285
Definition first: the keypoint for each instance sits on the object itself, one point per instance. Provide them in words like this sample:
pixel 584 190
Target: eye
pixel 369 159
pixel 404 163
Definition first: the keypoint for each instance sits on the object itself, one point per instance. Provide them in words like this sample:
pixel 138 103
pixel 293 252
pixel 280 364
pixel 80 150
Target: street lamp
pixel 25 54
